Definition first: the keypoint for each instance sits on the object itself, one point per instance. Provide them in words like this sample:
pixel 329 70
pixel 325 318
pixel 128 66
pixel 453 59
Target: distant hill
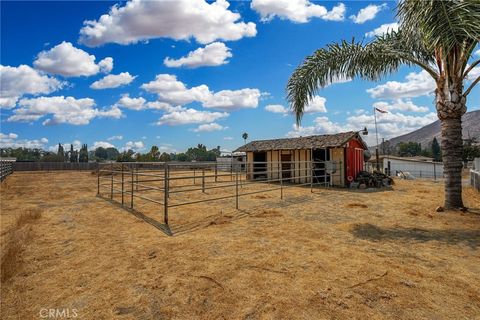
pixel 424 135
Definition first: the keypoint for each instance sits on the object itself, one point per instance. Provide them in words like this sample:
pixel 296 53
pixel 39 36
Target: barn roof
pixel 309 142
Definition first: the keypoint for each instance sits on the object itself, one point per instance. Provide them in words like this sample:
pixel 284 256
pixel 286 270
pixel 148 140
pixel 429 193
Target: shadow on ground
pixel 371 232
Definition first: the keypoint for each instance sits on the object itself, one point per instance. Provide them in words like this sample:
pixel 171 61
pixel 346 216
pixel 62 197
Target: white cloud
pixel 233 99
pixel 114 112
pixel 11 140
pixel 389 125
pixel 299 11
pixel 131 103
pixel 367 13
pixel 113 81
pixel 384 28
pixel 417 84
pixel 106 65
pixel 141 20
pixel 169 89
pixel 173 91
pixel 401 105
pixel 190 116
pixel 213 54
pixel 276 108
pixel 22 80
pixel 474 73
pixel 228 138
pixel 141 104
pixel 102 144
pixel 209 127
pixel 136 146
pixel 316 104
pixel 63 110
pixel 119 137
pixel 66 60
pixel 477 53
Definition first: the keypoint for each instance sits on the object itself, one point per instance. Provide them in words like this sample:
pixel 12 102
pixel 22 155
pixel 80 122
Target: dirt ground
pixel 330 254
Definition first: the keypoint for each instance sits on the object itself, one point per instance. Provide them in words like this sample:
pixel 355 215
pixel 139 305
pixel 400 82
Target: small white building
pixel 417 167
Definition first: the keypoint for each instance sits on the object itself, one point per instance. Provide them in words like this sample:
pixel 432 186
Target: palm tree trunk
pixel 451 105
pixel 452 147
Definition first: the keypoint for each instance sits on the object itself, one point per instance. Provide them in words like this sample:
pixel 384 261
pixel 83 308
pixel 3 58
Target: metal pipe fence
pixel 475 174
pixel 170 185
pixel 6 168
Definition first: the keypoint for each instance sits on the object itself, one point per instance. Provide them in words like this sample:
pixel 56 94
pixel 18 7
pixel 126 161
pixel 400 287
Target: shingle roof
pixel 309 142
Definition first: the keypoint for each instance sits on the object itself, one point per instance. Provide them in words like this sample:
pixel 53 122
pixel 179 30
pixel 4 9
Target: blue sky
pixel 237 58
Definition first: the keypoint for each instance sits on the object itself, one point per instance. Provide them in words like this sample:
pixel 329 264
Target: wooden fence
pixel 54 166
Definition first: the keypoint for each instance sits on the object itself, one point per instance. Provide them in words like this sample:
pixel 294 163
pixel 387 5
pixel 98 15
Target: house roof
pixel 309 142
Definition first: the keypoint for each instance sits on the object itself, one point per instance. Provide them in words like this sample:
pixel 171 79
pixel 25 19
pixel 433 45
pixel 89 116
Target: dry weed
pixel 17 240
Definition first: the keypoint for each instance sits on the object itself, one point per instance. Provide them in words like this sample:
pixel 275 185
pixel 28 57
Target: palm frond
pixel 369 61
pixel 442 24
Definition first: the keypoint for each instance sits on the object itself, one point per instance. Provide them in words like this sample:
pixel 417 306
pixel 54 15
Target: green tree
pixel 60 153
pixel 409 149
pixel 437 36
pixel 436 151
pixel 73 154
pixel 155 154
pixel 164 157
pixel 245 137
pixel 83 154
pixel 126 156
pixel 471 149
pixel 112 153
pixel 101 153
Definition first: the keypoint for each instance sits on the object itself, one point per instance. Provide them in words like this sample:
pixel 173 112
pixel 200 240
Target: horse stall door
pixel 286 166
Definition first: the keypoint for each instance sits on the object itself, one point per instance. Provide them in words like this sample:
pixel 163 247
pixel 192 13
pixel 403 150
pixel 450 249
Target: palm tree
pixel 437 36
pixel 245 137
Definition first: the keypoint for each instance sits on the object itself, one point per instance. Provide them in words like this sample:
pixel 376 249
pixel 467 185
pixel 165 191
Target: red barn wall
pixel 353 159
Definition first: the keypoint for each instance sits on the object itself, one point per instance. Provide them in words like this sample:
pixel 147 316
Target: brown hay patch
pixel 221 220
pixel 18 239
pixel 28 216
pixel 356 205
pixel 268 213
pixel 260 196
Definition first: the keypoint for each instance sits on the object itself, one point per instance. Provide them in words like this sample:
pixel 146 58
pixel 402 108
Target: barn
pixel 334 159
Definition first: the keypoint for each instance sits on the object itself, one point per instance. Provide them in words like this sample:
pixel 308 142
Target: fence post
pixel 311 176
pixel 131 194
pixel 166 183
pixel 420 173
pixel 434 172
pixel 203 180
pixel 111 186
pixel 281 177
pixel 136 180
pixel 194 176
pixel 98 179
pixel 216 171
pixel 123 190
pixel 236 190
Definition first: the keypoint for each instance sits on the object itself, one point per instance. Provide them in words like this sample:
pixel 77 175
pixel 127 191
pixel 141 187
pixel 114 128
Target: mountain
pixel 425 135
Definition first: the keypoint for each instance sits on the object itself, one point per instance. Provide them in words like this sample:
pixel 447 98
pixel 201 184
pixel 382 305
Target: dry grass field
pixel 331 254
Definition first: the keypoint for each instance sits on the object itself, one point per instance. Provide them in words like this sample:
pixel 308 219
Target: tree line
pixel 197 153
pixel 471 149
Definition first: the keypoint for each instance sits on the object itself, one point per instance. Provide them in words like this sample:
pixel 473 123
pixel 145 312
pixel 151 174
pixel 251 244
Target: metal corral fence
pixel 170 185
pixel 6 168
pixel 53 166
pixel 475 174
